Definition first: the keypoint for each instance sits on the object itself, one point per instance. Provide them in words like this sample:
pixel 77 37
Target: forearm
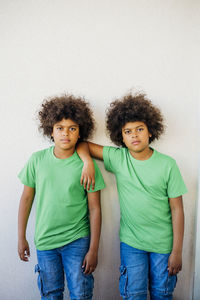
pixel 95 228
pixel 88 172
pixel 175 259
pixel 23 214
pixel 84 152
pixel 24 211
pixel 178 229
pixel 87 149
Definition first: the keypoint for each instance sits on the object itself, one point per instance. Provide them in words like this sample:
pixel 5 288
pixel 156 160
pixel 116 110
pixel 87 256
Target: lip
pixel 65 140
pixel 136 143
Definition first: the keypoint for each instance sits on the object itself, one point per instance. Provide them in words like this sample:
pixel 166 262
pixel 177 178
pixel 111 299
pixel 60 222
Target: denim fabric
pixel 140 269
pixel 52 264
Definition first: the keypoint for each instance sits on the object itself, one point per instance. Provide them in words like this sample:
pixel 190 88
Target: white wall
pixel 196 293
pixel 99 49
pixel 197 257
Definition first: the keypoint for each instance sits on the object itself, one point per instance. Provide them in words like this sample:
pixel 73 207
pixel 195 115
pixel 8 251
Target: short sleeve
pixel 99 181
pixel 176 186
pixel 111 158
pixel 27 174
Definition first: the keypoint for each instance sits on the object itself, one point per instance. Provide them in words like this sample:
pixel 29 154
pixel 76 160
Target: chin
pixel 66 147
pixel 136 149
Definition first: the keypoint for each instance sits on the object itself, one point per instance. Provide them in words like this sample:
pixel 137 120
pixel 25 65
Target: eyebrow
pixel 133 128
pixel 67 126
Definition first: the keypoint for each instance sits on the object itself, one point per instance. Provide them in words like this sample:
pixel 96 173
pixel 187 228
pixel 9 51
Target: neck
pixel 62 153
pixel 143 155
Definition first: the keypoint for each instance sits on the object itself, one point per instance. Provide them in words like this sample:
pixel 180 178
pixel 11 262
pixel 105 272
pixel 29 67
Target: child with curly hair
pixel 68 217
pixel 150 189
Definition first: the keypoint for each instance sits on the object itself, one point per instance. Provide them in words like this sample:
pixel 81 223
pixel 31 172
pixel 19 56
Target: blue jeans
pixel 139 269
pixel 52 264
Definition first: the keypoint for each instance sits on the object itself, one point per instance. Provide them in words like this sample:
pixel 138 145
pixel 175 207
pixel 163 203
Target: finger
pixel 84 263
pixel 28 251
pixel 90 270
pixel 176 271
pixel 170 269
pixel 85 183
pixel 87 268
pixel 88 184
pixel 81 180
pixel 93 184
pixel 23 257
pixel 21 254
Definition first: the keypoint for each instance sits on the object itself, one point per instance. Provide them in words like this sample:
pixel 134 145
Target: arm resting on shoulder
pixel 91 258
pixel 23 215
pixel 85 150
pixel 175 259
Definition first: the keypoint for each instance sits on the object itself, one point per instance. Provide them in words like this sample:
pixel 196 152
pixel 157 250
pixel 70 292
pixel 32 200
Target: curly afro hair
pixel 132 108
pixel 77 109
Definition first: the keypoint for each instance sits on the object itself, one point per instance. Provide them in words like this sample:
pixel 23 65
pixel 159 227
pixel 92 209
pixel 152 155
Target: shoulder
pixel 28 173
pixel 164 158
pixel 113 157
pixel 114 153
pixel 41 154
pixel 109 150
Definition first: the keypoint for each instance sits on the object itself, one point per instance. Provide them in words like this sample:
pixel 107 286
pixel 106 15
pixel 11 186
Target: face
pixel 65 134
pixel 136 136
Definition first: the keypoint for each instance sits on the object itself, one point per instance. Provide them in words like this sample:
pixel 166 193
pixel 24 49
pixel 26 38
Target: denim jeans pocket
pixel 50 278
pixel 133 280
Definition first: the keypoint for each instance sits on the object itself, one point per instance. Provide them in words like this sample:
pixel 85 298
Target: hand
pixel 174 263
pixel 90 262
pixel 23 250
pixel 88 175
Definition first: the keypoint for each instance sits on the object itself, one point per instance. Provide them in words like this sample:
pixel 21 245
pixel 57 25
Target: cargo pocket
pixel 123 281
pixel 39 280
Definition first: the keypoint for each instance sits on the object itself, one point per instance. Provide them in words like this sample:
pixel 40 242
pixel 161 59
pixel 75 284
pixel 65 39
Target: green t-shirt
pixel 144 188
pixel 61 201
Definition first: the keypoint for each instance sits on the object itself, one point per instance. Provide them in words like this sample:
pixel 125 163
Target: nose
pixel 134 134
pixel 65 132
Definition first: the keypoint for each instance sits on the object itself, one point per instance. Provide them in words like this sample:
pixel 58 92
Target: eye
pixel 72 129
pixel 127 132
pixel 59 128
pixel 140 129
